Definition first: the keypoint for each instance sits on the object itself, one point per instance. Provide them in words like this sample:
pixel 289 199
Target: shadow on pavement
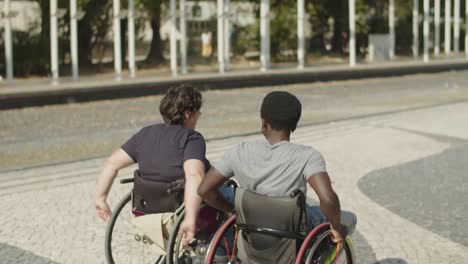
pixel 12 255
pixel 362 249
pixel 430 192
pixel 391 261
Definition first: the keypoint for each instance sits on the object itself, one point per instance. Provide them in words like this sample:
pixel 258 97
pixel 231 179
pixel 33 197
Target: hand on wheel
pixel 188 231
pixel 339 233
pixel 102 209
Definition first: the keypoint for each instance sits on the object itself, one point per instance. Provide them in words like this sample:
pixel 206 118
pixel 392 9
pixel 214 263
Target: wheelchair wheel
pixel 221 248
pixel 122 243
pixel 207 223
pixel 318 248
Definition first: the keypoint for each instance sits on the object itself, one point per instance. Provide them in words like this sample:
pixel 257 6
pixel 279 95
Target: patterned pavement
pixel 48 216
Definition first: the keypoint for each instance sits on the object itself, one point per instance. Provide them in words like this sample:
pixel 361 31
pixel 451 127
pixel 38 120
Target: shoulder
pixel 306 151
pixel 246 146
pixel 193 135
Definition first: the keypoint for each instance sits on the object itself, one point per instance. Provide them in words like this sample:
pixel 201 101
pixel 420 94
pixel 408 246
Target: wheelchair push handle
pixel 297 193
pixel 127 180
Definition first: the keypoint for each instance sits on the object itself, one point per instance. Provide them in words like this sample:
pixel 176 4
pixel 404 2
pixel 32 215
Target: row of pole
pixel 224 34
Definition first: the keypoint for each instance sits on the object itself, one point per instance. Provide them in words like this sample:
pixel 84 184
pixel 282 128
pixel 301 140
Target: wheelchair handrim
pixel 210 252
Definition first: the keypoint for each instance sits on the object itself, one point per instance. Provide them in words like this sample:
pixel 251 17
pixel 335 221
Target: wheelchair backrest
pixel 280 217
pixel 155 196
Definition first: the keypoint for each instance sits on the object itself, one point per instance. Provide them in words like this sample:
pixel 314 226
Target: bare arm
pixel 208 190
pixel 194 172
pixel 329 202
pixel 117 160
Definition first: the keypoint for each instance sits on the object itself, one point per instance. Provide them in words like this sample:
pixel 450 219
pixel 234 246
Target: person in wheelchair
pixel 276 167
pixel 166 153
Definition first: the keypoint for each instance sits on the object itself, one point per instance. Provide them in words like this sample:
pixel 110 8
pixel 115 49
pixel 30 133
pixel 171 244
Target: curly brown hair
pixel 177 100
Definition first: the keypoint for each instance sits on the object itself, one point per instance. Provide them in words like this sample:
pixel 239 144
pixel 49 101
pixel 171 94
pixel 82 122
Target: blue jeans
pixel 315 215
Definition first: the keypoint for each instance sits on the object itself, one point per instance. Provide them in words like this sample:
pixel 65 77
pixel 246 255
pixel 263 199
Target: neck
pixel 278 136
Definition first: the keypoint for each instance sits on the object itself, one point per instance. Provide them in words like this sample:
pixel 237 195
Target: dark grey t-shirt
pixel 273 170
pixel 161 150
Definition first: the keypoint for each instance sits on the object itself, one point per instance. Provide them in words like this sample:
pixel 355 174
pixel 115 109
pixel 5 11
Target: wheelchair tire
pixel 218 239
pixel 172 242
pixel 319 248
pixel 126 238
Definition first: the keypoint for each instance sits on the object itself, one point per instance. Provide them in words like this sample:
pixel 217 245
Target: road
pixel 395 149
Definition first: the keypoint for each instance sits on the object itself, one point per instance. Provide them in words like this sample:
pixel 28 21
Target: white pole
pixel 227 34
pixel 265 34
pixel 391 26
pixel 74 39
pixel 415 28
pixel 8 40
pixel 300 34
pixel 173 40
pixel 131 38
pixel 437 27
pixel 352 39
pixel 426 31
pixel 447 44
pixel 53 40
pixel 220 30
pixel 466 28
pixel 456 26
pixel 117 46
pixel 183 37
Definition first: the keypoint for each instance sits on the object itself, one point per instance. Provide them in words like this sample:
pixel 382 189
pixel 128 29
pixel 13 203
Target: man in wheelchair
pixel 276 167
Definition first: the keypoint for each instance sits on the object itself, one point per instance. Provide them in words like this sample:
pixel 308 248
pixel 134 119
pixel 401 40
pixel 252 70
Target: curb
pixel 144 87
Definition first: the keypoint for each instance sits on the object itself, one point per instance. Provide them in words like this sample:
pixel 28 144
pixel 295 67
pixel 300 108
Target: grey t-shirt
pixel 273 170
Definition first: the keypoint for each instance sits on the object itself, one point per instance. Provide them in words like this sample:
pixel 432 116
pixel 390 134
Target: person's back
pixel 275 167
pixel 271 169
pixel 161 150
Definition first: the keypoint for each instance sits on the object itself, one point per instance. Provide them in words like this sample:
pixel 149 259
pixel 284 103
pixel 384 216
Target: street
pixel 396 150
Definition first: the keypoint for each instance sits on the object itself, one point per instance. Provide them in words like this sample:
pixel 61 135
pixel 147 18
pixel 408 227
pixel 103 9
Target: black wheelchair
pixel 124 244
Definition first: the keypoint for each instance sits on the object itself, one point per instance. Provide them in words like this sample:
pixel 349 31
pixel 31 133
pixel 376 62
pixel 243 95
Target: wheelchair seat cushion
pixel 279 213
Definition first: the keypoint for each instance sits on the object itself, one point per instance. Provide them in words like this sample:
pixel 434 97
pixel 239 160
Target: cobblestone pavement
pixel 57 133
pixel 48 215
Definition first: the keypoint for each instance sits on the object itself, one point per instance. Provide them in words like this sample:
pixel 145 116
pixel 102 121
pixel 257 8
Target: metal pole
pixel 466 28
pixel 426 31
pixel 415 28
pixel 53 41
pixel 131 38
pixel 391 26
pixel 352 39
pixel 447 44
pixel 220 30
pixel 265 34
pixel 456 26
pixel 173 40
pixel 227 34
pixel 74 39
pixel 117 46
pixel 300 34
pixel 437 27
pixel 183 37
pixel 8 40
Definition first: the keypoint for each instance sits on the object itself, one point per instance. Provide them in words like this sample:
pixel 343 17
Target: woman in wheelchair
pixel 167 153
pixel 275 167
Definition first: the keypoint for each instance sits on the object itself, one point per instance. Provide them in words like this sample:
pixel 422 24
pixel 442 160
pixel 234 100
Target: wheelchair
pixel 123 244
pixel 275 230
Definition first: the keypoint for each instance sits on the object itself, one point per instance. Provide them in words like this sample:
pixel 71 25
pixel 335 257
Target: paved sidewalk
pixel 41 91
pixel 49 217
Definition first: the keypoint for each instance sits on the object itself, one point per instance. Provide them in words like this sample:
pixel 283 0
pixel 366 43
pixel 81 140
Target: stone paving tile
pixel 57 224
